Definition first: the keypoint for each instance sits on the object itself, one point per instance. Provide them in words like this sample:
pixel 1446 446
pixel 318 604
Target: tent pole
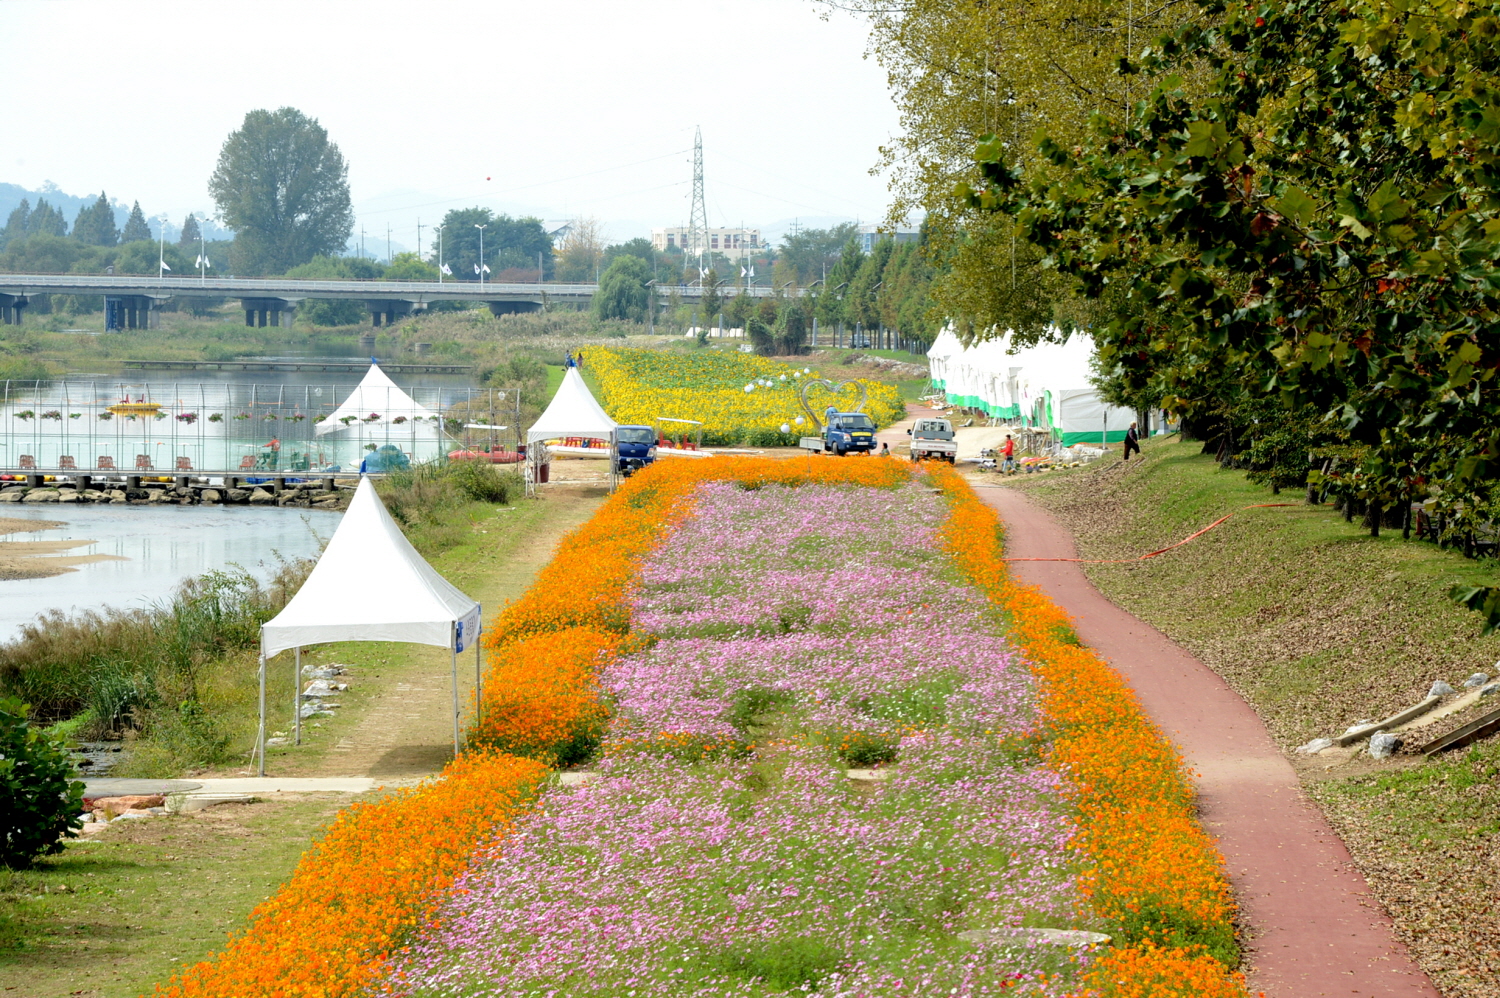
pixel 297 693
pixel 453 650
pixel 260 733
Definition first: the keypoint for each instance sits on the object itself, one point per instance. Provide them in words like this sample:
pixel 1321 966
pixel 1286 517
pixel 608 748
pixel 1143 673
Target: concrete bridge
pixel 134 302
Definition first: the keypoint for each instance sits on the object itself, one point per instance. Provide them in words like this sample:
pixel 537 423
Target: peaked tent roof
pixel 572 413
pixel 377 394
pixel 371 585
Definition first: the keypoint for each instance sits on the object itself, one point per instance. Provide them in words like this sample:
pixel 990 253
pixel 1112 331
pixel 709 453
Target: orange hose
pixel 1169 547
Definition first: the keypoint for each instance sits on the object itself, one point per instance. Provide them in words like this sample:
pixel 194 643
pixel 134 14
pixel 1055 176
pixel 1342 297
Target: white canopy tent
pixel 1044 385
pixel 573 412
pixel 370 584
pixel 379 396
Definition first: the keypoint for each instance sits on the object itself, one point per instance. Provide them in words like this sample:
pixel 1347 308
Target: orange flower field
pixel 383 868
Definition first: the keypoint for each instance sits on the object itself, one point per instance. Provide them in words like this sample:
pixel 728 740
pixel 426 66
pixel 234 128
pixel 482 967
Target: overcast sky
pixel 557 108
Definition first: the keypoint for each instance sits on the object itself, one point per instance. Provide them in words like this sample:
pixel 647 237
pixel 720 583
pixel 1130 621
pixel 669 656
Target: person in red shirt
pixel 1008 453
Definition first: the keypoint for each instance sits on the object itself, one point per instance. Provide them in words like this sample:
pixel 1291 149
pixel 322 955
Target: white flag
pixel 752 270
pixel 702 273
pixel 476 268
pixel 486 268
pixel 447 270
pixel 164 265
pixel 742 271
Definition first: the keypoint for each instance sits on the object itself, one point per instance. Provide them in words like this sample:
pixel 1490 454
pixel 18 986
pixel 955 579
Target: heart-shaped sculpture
pixel 833 389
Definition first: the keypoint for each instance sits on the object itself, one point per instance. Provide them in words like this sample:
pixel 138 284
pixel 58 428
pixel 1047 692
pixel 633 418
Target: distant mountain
pixel 12 195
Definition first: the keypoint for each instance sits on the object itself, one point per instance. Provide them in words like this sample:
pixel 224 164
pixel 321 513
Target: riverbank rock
pixel 261 497
pixel 69 495
pixel 210 495
pixel 41 495
pixel 237 495
pixel 11 496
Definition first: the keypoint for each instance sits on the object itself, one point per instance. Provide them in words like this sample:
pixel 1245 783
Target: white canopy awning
pixel 573 413
pixel 371 585
pixel 375 395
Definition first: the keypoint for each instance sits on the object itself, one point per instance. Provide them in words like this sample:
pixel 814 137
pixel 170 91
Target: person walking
pixel 1008 455
pixel 1132 443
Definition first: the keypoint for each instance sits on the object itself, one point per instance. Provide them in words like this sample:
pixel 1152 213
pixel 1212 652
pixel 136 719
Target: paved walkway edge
pixel 1311 926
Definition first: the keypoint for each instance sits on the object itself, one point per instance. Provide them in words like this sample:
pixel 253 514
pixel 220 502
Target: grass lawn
pixel 1320 625
pixel 112 916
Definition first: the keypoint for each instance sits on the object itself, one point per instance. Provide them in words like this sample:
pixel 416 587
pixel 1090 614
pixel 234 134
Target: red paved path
pixel 1313 927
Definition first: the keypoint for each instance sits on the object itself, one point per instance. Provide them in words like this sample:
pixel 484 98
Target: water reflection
pixel 162 545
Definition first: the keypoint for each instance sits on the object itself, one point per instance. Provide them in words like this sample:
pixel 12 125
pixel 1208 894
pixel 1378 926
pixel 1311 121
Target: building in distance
pixel 869 235
pixel 736 244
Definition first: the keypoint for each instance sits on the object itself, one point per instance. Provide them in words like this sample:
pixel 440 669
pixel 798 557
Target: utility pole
pixel 419 237
pixel 387 244
pixel 698 216
pixel 361 242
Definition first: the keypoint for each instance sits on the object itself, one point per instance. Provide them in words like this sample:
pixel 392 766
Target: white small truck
pixel 932 439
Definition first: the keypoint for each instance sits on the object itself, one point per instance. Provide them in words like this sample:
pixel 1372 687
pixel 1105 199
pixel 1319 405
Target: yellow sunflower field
pixel 739 398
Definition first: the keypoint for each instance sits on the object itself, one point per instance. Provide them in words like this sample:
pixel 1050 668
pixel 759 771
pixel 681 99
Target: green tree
pixel 638 247
pixel 140 257
pixel 410 267
pixel 190 232
pixel 16 224
pixel 860 302
pixel 810 253
pixel 39 802
pixel 1321 223
pixel 42 254
pixel 335 311
pixel 136 228
pixel 46 220
pixel 960 69
pixel 791 329
pixel 712 300
pixel 509 243
pixel 623 291
pixel 95 224
pixel 284 187
pixel 831 307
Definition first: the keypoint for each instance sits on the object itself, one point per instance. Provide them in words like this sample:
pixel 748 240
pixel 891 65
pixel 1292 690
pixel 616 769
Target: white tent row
pixel 573 412
pixel 370 584
pixel 1046 385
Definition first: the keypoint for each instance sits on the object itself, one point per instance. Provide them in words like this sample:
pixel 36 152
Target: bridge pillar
pixel 375 319
pixel 10 309
pixel 114 314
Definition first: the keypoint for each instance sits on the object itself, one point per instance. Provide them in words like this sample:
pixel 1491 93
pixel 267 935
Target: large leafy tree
pixel 284 187
pixel 814 253
pixel 623 291
pixel 1322 221
pixel 509 243
pixel 961 69
pixel 95 224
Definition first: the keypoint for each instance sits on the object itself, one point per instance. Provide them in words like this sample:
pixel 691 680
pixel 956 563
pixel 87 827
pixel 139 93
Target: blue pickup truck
pixel 635 447
pixel 843 433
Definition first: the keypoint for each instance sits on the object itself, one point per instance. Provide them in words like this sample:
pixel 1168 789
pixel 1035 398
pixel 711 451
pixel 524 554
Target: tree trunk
pixel 1372 518
pixel 1406 518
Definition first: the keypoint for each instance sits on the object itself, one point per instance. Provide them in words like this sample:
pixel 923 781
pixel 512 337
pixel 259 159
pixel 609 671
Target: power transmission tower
pixel 698 218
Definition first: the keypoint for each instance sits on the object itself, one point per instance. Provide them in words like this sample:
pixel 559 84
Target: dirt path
pixel 408 733
pixel 1311 926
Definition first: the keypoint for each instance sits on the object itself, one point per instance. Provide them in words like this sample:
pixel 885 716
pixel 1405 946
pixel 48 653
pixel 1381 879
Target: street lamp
pixel 440 252
pixel 480 268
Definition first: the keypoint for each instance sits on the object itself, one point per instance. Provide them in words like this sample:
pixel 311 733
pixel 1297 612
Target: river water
pixel 160 545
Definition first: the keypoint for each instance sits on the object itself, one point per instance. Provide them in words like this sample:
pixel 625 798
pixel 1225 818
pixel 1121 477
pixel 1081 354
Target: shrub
pixel 38 803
